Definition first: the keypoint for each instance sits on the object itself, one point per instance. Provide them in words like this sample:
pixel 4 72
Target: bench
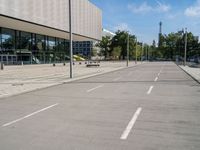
pixel 93 65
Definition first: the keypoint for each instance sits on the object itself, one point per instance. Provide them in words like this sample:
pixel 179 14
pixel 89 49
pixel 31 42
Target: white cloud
pixel 122 26
pixel 193 11
pixel 146 8
pixel 143 8
pixel 161 7
pixel 172 16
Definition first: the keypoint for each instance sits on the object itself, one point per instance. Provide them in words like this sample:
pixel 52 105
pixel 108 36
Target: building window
pixel 51 43
pixel 0 42
pixel 25 41
pixel 32 48
pixel 40 42
pixel 38 54
pixel 8 41
pixel 23 46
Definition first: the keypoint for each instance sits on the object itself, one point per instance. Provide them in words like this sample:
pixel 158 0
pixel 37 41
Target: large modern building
pixel 37 31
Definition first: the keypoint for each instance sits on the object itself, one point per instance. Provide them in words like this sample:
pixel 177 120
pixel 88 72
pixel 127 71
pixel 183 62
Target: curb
pixel 189 74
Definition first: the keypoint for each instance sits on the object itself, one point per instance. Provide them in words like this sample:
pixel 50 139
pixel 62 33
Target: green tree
pixel 104 45
pixel 116 52
pixel 94 51
pixel 121 39
pixel 175 44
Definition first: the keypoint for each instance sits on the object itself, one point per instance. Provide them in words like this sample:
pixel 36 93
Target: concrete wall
pixel 87 18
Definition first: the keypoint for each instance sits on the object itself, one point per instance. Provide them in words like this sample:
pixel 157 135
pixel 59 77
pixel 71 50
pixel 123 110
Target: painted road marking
pixel 116 79
pixel 131 124
pixel 150 90
pixel 90 90
pixel 156 79
pixel 161 70
pixel 25 117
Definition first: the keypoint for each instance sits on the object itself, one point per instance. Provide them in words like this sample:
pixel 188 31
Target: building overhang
pixel 22 25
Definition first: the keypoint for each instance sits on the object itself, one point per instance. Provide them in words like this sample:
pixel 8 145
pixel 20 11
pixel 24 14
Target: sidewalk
pixel 194 72
pixel 20 79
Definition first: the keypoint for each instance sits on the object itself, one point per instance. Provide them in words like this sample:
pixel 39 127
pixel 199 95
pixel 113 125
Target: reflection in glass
pixel 25 41
pixel 51 43
pixel 32 48
pixel 40 42
pixel 8 41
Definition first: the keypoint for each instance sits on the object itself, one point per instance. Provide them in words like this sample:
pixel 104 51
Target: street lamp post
pixel 142 52
pixel 127 59
pixel 136 52
pixel 70 37
pixel 146 51
pixel 185 54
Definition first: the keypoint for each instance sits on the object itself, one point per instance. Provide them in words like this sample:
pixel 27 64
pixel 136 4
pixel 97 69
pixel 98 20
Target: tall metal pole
pixel 142 52
pixel 70 38
pixel 127 59
pixel 146 49
pixel 136 52
pixel 185 54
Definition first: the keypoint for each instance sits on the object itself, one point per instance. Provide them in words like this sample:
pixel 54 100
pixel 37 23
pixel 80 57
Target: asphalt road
pixel 154 106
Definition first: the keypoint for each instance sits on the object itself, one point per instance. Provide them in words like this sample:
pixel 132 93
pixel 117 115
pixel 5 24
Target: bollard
pixel 2 66
pixel 64 64
pixel 80 63
pixel 22 63
pixel 54 65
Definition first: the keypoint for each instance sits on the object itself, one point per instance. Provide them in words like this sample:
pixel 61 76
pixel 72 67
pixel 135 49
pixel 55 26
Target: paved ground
pixel 194 72
pixel 154 106
pixel 19 79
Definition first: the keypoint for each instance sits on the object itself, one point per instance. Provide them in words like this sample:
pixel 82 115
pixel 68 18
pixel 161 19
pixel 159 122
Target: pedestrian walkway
pixel 194 72
pixel 20 79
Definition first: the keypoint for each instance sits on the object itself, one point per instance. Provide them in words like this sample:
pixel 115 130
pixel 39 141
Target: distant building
pixel 85 48
pixel 108 33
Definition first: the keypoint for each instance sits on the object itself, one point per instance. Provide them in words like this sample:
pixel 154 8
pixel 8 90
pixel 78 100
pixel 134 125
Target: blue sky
pixel 142 17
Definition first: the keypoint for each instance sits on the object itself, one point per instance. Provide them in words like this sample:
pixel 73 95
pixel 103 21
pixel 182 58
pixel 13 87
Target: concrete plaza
pixel 19 79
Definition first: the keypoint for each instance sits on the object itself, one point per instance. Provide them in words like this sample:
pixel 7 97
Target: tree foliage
pixel 104 45
pixel 121 39
pixel 172 45
pixel 116 52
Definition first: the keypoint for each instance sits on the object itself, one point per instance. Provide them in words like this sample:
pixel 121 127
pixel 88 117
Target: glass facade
pixel 83 48
pixel 30 48
pixel 7 41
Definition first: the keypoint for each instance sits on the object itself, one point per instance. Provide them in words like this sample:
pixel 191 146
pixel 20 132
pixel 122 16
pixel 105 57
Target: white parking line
pixel 131 124
pixel 150 89
pixel 116 79
pixel 156 79
pixel 90 90
pixel 25 117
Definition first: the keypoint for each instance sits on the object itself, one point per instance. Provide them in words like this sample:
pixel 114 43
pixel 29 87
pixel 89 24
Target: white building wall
pixel 87 18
